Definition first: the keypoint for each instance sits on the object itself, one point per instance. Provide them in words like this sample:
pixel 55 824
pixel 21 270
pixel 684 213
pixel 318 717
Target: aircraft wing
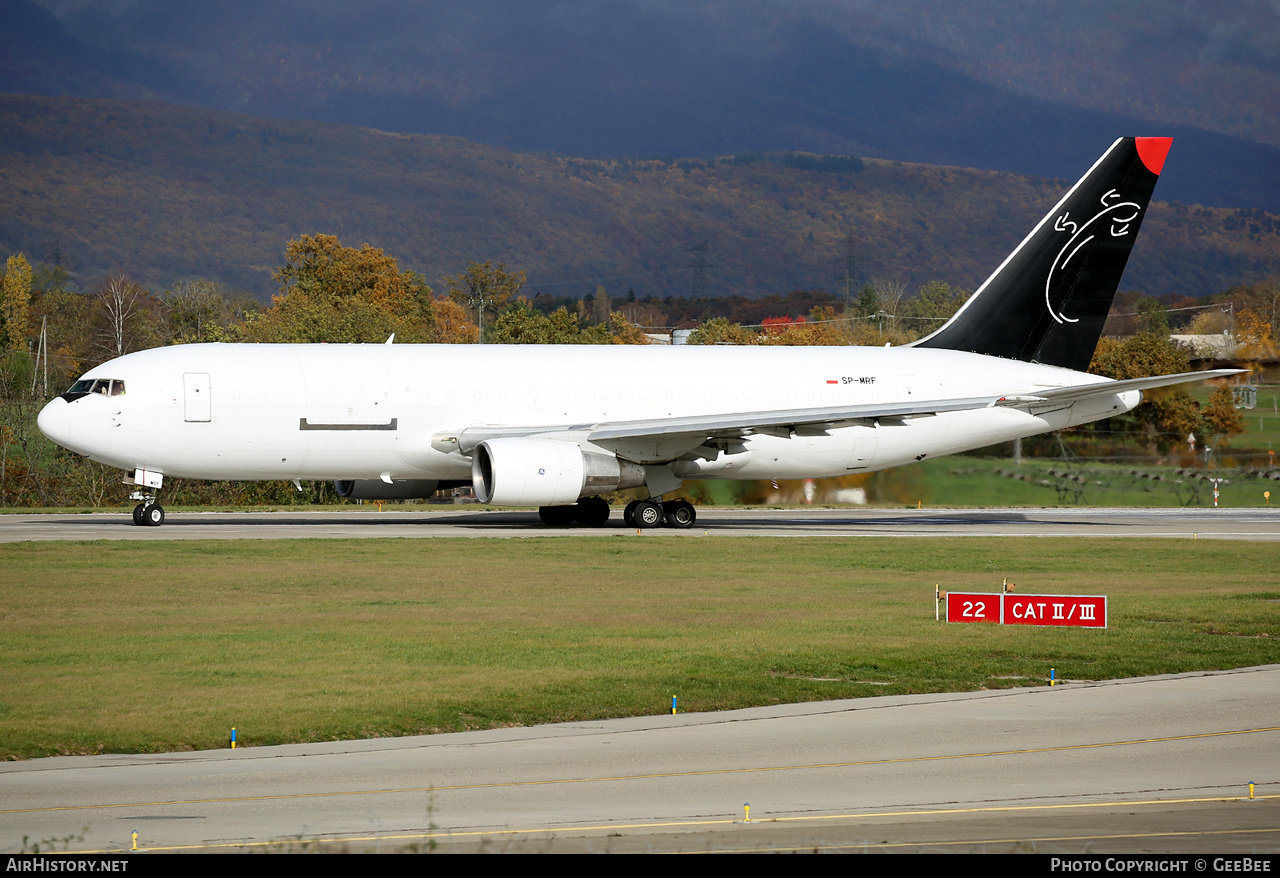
pixel 681 434
pixel 740 424
pixel 735 424
pixel 817 420
pixel 1080 391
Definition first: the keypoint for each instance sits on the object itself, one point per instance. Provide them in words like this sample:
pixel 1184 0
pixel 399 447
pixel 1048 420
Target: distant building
pixel 1218 346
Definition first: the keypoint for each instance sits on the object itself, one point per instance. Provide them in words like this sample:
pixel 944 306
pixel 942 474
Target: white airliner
pixel 555 427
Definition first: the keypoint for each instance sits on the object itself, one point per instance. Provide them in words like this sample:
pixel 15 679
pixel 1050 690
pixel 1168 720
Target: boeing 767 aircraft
pixel 555 427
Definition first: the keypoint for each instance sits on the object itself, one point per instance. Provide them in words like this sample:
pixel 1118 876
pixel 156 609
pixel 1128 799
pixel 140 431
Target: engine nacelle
pixel 546 472
pixel 376 489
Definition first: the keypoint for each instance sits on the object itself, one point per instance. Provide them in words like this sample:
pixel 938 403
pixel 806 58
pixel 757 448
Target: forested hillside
pixel 164 192
pixel 1030 87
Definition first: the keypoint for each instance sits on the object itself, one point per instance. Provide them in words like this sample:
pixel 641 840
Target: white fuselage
pixel 257 412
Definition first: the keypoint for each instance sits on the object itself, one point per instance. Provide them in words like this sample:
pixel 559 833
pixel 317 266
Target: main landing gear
pixel 655 513
pixel 148 513
pixel 594 512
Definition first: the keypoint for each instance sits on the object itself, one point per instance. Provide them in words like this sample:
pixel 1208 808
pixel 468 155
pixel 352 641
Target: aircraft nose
pixel 54 420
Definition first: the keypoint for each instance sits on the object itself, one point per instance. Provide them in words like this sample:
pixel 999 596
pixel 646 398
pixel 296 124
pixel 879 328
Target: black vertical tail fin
pixel 1047 301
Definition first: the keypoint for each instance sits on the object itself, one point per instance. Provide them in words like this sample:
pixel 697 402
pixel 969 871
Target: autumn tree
pixel 1261 298
pixel 623 331
pixel 332 293
pixel 785 331
pixel 14 303
pixel 69 318
pixel 1211 321
pixel 1167 415
pixel 453 326
pixel 1220 418
pixel 1139 356
pixel 1253 331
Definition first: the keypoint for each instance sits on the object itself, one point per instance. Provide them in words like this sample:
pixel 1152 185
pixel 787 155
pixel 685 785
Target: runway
pixel 421 522
pixel 1159 764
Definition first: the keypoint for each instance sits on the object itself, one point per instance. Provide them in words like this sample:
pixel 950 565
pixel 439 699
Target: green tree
pixel 485 290
pixel 720 331
pixel 200 311
pixel 936 300
pixel 1153 316
pixel 600 306
pixel 520 324
pixel 868 301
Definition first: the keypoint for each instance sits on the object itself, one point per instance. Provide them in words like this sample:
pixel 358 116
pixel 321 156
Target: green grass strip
pixel 140 647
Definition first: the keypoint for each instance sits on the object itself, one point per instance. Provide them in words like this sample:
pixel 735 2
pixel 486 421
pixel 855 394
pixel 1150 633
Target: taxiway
pixel 1157 764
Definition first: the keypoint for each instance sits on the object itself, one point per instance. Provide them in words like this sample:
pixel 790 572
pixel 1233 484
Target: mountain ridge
pixel 165 192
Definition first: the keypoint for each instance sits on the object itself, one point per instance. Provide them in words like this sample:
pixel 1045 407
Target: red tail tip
pixel 1152 151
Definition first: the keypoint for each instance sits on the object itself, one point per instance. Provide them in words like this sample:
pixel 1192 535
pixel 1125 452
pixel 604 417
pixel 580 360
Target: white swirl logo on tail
pixel 1118 213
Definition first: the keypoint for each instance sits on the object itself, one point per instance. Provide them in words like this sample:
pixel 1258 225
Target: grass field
pixel 966 481
pixel 132 646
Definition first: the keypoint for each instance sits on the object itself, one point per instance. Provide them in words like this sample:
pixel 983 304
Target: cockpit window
pixel 104 386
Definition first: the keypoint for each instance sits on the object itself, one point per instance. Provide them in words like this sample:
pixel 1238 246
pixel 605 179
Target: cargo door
pixel 348 390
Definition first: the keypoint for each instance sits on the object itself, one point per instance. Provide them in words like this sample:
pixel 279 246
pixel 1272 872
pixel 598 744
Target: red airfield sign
pixel 1078 611
pixel 966 607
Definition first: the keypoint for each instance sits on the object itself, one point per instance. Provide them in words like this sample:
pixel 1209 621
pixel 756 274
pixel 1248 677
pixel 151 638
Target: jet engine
pixel 546 472
pixel 376 489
